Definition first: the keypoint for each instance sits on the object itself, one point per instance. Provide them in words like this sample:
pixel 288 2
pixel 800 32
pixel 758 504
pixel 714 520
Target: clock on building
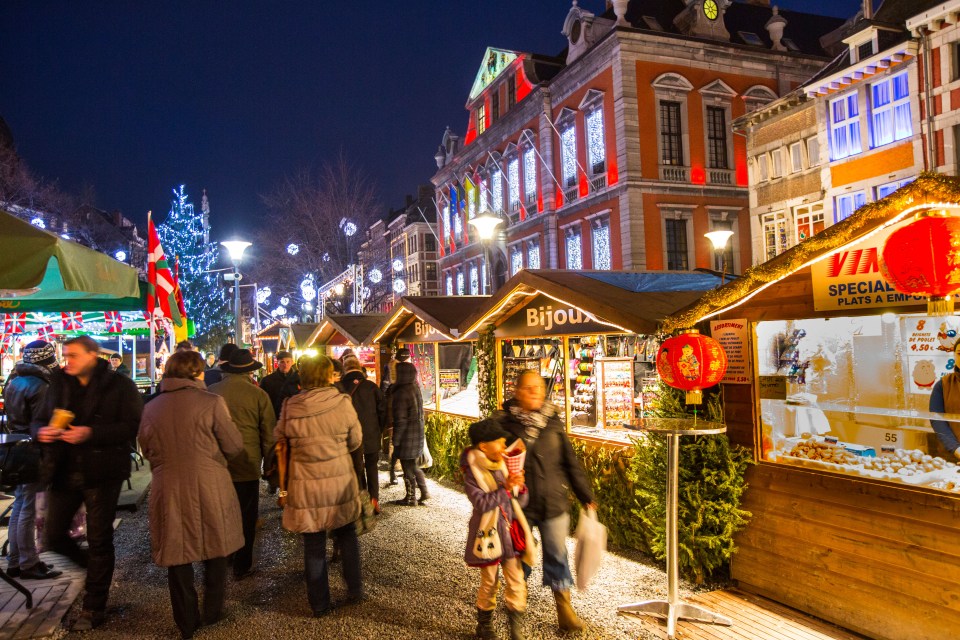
pixel 710 9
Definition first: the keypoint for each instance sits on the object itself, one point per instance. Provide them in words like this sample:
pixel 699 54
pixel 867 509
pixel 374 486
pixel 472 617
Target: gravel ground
pixel 413 571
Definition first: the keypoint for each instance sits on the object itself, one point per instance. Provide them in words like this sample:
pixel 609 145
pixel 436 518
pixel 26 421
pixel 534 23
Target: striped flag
pixel 46 332
pixel 14 323
pixel 114 322
pixel 72 320
pixel 160 281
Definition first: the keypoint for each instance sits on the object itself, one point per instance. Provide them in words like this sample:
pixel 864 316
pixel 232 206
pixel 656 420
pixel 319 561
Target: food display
pixel 615 380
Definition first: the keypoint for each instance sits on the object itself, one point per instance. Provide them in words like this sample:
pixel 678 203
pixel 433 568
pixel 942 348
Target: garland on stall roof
pixel 487 371
pixel 928 188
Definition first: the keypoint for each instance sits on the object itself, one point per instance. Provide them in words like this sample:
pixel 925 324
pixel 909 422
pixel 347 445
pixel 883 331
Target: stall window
pixel 844 127
pixel 516 259
pixel 533 254
pixel 890 103
pixel 574 249
pixel 600 245
pixel 775 239
pixel 845 205
pixel 474 280
pixel 677 246
pixel 809 220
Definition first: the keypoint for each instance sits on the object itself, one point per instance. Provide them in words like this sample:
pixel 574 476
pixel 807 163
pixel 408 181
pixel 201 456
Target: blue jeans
pixel 22 529
pixel 315 564
pixel 553 539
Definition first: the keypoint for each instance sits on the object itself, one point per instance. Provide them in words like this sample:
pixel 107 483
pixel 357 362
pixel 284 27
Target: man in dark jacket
pixel 24 396
pixel 87 463
pixel 371 408
pixel 275 383
pixel 552 469
pixel 116 361
pixel 215 374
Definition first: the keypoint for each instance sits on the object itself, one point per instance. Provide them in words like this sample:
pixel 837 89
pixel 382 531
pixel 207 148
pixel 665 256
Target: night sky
pixel 134 98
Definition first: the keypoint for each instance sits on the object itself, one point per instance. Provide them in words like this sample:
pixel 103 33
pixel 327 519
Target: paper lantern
pixel 691 362
pixel 923 259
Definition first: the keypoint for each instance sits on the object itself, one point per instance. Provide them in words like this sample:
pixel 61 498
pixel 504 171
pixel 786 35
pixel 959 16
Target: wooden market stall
pixel 855 506
pixel 337 333
pixel 592 336
pixel 446 365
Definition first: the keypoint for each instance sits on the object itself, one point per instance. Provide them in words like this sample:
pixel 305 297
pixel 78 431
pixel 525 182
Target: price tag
pixel 772 387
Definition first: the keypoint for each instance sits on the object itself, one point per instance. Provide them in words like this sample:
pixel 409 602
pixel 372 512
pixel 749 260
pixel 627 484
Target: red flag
pixel 46 333
pixel 72 320
pixel 114 322
pixel 14 323
pixel 160 282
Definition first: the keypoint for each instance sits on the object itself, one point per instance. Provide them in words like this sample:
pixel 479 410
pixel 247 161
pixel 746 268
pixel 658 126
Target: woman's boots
pixel 485 629
pixel 567 618
pixel 516 625
pixel 411 499
pixel 424 495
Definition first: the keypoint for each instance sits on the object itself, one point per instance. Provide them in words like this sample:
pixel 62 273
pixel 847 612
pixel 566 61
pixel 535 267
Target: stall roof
pixel 443 313
pixel 303 334
pixel 928 191
pixel 356 328
pixel 633 301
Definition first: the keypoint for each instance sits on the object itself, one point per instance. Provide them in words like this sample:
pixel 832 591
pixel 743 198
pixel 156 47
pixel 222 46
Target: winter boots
pixel 567 618
pixel 516 625
pixel 411 499
pixel 424 494
pixel 485 629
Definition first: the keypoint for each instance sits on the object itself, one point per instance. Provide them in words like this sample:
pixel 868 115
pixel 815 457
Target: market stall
pixel 446 366
pixel 337 333
pixel 590 334
pixel 854 500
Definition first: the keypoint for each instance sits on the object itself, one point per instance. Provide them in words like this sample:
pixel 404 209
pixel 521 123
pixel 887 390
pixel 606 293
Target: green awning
pixel 40 271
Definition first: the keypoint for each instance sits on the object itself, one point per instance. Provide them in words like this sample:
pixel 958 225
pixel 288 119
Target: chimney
pixel 759 3
pixel 868 9
pixel 774 27
pixel 409 200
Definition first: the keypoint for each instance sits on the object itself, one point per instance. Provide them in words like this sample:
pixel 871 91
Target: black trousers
pixel 183 594
pixel 414 473
pixel 101 504
pixel 370 462
pixel 248 493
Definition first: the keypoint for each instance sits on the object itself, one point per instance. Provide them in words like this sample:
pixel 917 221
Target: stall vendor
pixel 946 399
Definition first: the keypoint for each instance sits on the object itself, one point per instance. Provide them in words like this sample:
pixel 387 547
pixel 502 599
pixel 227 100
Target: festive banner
pixel 46 333
pixel 14 322
pixel 114 322
pixel 72 320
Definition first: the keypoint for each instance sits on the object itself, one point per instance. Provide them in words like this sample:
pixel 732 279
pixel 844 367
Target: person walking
pixel 371 408
pixel 402 355
pixel 24 396
pixel 407 412
pixel 551 467
pixel 87 462
pixel 319 429
pixel 281 378
pixel 187 435
pixel 214 374
pixel 252 413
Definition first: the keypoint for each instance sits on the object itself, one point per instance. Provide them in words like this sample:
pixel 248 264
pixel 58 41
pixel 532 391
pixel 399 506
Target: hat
pixel 116 356
pixel 227 350
pixel 403 354
pixel 40 353
pixel 487 431
pixel 284 354
pixel 352 364
pixel 241 362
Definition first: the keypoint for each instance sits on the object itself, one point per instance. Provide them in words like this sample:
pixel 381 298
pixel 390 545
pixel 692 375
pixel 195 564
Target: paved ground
pixel 413 571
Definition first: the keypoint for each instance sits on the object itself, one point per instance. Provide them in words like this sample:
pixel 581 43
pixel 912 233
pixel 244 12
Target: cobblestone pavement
pixel 413 572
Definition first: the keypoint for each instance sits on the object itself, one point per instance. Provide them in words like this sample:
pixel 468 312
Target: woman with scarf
pixel 552 469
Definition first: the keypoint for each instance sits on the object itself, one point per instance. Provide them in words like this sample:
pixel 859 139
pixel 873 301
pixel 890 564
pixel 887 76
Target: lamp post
pixel 236 248
pixel 719 241
pixel 486 224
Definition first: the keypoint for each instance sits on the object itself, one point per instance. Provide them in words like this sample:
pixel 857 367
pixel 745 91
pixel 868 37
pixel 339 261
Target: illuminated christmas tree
pixel 185 236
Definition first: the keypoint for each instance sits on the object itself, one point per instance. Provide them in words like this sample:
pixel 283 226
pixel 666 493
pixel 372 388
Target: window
pixel 496 190
pixel 516 259
pixel 447 227
pixel 671 137
pixel 513 182
pixel 809 220
pixel 762 167
pixel 430 271
pixel 529 174
pixel 533 254
pixel 886 189
pixel 474 280
pixel 449 284
pixel 483 277
pixel 796 157
pixel 846 204
pixel 596 147
pixel 717 137
pixel 813 151
pixel 600 232
pixel 457 225
pixel 495 105
pixel 574 249
pixel 865 50
pixel 511 91
pixel 890 102
pixel 429 243
pixel 776 163
pixel 677 254
pixel 844 127
pixel 568 156
pixel 459 282
pixel 751 38
pixel 481 118
pixel 774 234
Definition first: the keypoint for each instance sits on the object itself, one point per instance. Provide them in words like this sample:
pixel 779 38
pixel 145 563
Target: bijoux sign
pixel 419 331
pixel 545 316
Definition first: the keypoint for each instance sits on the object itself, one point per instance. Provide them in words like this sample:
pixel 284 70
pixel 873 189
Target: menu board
pixel 732 336
pixel 449 382
pixel 928 347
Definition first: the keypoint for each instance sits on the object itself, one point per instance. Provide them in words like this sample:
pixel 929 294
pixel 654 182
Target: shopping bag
pixel 425 460
pixel 368 517
pixel 591 545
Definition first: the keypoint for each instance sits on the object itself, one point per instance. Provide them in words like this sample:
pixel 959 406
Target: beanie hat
pixel 40 353
pixel 487 431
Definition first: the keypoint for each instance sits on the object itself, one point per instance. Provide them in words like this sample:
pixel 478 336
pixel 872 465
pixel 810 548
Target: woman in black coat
pixel 407 407
pixel 372 410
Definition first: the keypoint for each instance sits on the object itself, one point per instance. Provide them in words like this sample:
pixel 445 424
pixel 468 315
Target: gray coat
pixel 187 435
pixel 321 429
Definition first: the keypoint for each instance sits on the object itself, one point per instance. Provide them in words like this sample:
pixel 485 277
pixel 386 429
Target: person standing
pixel 87 462
pixel 187 435
pixel 407 412
pixel 551 467
pixel 214 375
pixel 319 428
pixel 252 413
pixel 24 396
pixel 275 383
pixel 116 361
pixel 371 408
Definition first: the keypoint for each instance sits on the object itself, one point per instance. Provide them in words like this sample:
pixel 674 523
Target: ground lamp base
pixel 673 613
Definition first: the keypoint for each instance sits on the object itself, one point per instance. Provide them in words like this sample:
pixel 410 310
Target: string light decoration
pixel 397 265
pixel 399 286
pixel 574 250
pixel 263 295
pixel 121 256
pixel 375 275
pixel 39 223
pixel 293 249
pixel 930 190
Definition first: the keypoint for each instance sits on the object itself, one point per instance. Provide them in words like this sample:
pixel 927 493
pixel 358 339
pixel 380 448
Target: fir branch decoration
pixel 487 371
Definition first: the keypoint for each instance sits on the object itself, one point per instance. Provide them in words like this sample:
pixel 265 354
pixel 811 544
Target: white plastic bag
pixel 591 545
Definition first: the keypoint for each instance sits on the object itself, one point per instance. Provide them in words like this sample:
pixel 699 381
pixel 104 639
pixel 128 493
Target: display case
pixel 615 400
pixel 422 357
pixel 511 369
pixel 583 382
pixel 851 395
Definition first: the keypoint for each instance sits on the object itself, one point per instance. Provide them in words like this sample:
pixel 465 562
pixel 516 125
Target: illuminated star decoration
pixel 375 276
pixel 398 265
pixel 293 249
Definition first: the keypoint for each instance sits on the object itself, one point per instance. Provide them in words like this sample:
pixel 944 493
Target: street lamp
pixel 236 248
pixel 719 241
pixel 486 224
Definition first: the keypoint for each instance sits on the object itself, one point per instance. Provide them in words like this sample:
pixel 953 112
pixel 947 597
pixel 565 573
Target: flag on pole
pixel 72 320
pixel 160 282
pixel 180 330
pixel 46 332
pixel 114 322
pixel 14 323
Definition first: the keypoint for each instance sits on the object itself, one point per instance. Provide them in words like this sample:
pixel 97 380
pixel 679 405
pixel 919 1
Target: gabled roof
pixel 443 313
pixel 357 329
pixel 495 61
pixel 929 190
pixel 303 334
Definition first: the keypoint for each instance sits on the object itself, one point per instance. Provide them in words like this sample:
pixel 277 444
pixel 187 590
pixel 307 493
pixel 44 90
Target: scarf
pixel 533 421
pixel 483 468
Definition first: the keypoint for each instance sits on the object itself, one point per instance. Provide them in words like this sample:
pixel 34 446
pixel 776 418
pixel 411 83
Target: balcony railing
pixel 532 198
pixel 669 173
pixel 598 182
pixel 720 176
pixel 571 194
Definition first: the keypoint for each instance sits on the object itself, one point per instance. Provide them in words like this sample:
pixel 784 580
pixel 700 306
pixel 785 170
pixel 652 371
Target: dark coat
pixel 274 384
pixel 252 413
pixel 213 375
pixel 370 406
pixel 123 370
pixel 552 468
pixel 111 407
pixel 24 395
pixel 407 410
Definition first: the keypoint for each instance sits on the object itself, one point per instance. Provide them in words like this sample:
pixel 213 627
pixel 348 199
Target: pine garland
pixel 487 371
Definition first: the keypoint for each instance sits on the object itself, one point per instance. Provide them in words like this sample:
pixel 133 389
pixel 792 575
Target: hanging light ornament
pixel 375 275
pixel 399 286
pixel 121 256
pixel 293 249
pixel 284 301
pixel 691 362
pixel 349 228
pixel 923 259
pixel 397 265
pixel 279 311
pixel 263 295
pixel 38 222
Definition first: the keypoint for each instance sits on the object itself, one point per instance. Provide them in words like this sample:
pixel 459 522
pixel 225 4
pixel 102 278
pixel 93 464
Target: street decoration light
pixel 691 362
pixel 719 241
pixel 921 259
pixel 121 256
pixel 486 224
pixel 236 248
pixel 293 249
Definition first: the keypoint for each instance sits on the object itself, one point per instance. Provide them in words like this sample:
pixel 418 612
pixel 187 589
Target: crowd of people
pixel 315 430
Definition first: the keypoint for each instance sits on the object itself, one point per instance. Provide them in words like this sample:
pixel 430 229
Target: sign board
pixel 851 279
pixel 544 316
pixel 449 381
pixel 732 336
pixel 419 331
pixel 772 387
pixel 928 347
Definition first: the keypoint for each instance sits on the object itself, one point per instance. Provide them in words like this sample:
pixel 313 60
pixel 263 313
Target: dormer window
pixel 865 50
pixel 863 44
pixel 750 38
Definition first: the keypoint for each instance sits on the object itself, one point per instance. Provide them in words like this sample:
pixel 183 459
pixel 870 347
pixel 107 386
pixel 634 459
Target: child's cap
pixel 487 431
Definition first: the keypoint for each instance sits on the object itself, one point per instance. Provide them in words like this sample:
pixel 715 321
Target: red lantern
pixel 923 259
pixel 691 362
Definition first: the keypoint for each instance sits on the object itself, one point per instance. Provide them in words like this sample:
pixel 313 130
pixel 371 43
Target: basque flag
pixel 14 323
pixel 114 323
pixel 5 341
pixel 72 320
pixel 46 333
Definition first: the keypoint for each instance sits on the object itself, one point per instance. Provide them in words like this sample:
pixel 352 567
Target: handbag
pixel 517 536
pixel 20 463
pixel 486 543
pixel 368 517
pixel 425 460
